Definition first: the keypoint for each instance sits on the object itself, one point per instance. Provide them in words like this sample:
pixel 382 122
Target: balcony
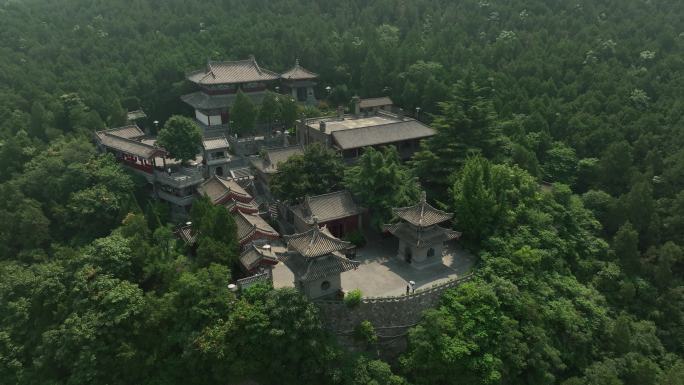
pixel 176 200
pixel 180 177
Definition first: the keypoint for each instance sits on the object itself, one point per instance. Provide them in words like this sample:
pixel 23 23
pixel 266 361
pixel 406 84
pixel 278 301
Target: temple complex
pixel 421 239
pixel 316 259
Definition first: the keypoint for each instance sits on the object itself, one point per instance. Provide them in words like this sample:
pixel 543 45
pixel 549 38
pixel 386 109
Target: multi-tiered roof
pixel 298 73
pixel 232 72
pixel 420 225
pixel 316 253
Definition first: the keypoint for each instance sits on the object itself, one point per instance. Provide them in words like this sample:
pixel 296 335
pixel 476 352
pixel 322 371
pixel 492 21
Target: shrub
pixel 353 298
pixel 365 332
pixel 356 238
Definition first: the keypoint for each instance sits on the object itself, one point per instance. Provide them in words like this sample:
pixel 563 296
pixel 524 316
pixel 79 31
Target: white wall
pixel 201 117
pixel 214 120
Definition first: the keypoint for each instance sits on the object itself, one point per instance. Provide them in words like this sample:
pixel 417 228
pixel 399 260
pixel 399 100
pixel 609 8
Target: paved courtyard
pixel 382 274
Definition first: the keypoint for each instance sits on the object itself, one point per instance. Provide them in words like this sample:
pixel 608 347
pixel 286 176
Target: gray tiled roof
pixel 314 269
pixel 127 139
pixel 421 237
pixel 253 255
pixel 203 101
pixel 215 143
pixel 315 242
pixel 241 71
pixel 188 236
pixel 375 102
pixel 422 214
pixel 327 207
pixel 233 205
pixel 274 156
pixel 217 188
pixel 248 224
pixel 298 72
pixel 135 115
pixel 381 134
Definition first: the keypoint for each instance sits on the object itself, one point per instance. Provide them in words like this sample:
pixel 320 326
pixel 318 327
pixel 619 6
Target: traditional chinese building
pixel 219 82
pixel 256 259
pixel 350 134
pixel 251 227
pixel 300 83
pixel 168 179
pixel 336 211
pixel 216 157
pixel 373 105
pixel 316 257
pixel 229 193
pixel 421 239
pixel 266 165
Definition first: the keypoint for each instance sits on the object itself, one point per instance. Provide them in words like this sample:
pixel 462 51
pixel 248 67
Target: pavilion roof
pixel 308 270
pixel 298 72
pixel 218 189
pixel 421 238
pixel 327 207
pixel 227 72
pixel 422 214
pixel 249 224
pixel 315 242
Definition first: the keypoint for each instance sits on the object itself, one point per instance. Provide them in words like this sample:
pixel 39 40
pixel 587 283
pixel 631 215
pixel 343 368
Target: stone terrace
pixel 381 274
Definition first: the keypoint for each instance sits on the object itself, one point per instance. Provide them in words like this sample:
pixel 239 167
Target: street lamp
pixel 277 89
pixel 417 112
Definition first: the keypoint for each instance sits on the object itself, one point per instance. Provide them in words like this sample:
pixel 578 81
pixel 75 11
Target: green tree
pixel 269 110
pixel 243 114
pixel 465 126
pixel 560 164
pixel 288 111
pixel 318 171
pixel 626 248
pixel 181 137
pixel 380 182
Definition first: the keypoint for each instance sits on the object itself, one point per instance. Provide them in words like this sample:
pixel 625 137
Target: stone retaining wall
pixel 391 316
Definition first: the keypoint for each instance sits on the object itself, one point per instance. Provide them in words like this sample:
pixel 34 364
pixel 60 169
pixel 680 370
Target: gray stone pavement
pixel 382 274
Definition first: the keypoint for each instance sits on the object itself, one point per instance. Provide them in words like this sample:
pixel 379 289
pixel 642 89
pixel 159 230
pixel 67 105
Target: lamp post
pixel 417 113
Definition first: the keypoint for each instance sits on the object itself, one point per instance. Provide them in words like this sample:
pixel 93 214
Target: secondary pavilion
pixel 316 259
pixel 421 239
pixel 300 83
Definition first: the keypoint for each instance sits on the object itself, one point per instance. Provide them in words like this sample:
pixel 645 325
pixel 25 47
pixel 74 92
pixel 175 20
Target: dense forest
pixel 579 281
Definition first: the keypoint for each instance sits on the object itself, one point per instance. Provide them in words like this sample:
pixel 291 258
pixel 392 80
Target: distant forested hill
pixel 580 285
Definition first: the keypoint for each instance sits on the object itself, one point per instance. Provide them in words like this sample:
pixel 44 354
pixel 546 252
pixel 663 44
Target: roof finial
pixel 314 219
pixel 423 197
pixel 296 62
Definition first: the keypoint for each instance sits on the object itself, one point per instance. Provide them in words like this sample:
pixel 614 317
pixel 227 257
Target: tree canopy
pixel 181 137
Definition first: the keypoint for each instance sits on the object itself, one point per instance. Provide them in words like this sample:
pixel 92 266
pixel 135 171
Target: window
pixel 430 252
pixel 325 285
